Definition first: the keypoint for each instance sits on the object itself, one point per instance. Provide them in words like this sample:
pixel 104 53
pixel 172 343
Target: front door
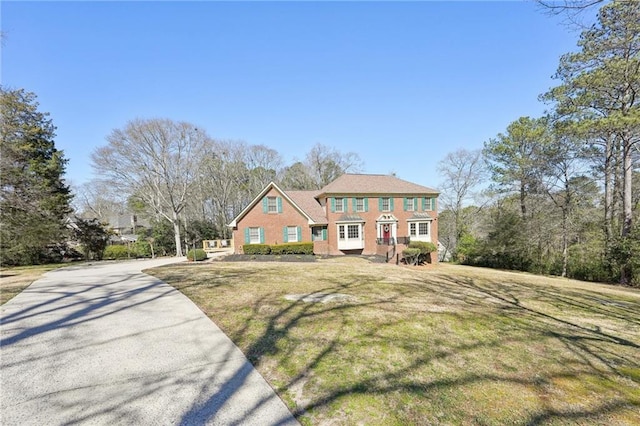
pixel 386 232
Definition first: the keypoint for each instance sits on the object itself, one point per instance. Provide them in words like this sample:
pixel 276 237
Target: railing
pixel 404 240
pixel 386 241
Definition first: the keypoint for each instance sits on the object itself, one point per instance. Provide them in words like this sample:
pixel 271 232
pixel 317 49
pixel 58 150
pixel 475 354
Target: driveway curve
pixel 107 344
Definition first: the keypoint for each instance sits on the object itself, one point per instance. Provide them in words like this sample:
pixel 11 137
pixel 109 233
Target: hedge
pixel 199 254
pixel 118 252
pixel 278 249
pixel 411 255
pixel 256 249
pixel 292 248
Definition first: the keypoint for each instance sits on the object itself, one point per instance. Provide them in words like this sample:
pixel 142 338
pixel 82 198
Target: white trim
pixel 347 243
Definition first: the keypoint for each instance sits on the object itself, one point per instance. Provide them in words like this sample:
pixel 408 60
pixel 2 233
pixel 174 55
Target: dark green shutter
pixel 279 201
pixel 379 203
pixel 366 204
pixel 285 235
pixel 424 203
pixel 247 237
pixel 333 205
pixel 324 234
pixel 433 203
pixel 299 231
pixel 261 235
pixel 415 204
pixel 391 204
pixel 265 205
pixel 406 203
pixel 354 204
pixel 345 202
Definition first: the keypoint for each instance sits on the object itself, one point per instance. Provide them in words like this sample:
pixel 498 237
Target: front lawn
pixel 441 345
pixel 15 279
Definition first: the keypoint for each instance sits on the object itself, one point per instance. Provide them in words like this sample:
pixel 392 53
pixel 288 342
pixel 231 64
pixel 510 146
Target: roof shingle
pixel 373 184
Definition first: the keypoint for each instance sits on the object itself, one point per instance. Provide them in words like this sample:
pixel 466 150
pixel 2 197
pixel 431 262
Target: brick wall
pixel 272 223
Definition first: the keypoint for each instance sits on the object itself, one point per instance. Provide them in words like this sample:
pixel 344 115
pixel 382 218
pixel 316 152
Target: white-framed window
pixel 353 232
pixel 254 235
pixel 386 204
pixel 359 207
pixel 419 230
pixel 272 204
pixel 350 236
pixel 411 205
pixel 423 228
pixel 339 203
pixel 292 234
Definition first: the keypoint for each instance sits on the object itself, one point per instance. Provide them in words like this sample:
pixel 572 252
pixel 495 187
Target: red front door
pixel 386 232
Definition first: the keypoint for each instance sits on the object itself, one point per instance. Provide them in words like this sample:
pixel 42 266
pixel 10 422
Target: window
pixel 386 204
pixel 254 235
pixel 359 205
pixel 272 205
pixel 292 234
pixel 350 237
pixel 341 232
pixel 410 204
pixel 353 232
pixel 339 205
pixel 419 231
pixel 319 233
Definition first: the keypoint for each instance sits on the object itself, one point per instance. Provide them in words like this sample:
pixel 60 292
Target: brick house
pixel 354 214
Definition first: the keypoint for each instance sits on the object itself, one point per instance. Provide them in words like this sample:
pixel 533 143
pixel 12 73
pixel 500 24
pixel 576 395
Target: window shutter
pixel 279 201
pixel 345 203
pixel 285 235
pixel 324 234
pixel 424 203
pixel 391 204
pixel 247 238
pixel 415 204
pixel 333 205
pixel 379 203
pixel 366 204
pixel 261 235
pixel 354 204
pixel 433 203
pixel 265 205
pixel 406 203
pixel 299 233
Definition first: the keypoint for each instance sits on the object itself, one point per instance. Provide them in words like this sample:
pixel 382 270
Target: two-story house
pixel 355 214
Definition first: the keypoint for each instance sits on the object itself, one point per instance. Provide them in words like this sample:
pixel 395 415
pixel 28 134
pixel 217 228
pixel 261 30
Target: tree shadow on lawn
pixel 559 353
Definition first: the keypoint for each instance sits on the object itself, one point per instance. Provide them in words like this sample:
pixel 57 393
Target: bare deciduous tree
pixel 156 160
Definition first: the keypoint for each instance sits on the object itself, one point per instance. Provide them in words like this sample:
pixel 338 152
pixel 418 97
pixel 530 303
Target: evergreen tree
pixel 34 199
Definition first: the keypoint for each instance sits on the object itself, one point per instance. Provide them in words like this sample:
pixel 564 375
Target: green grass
pixel 14 280
pixel 440 345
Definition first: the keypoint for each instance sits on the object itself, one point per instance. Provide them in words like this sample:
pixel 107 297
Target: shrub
pixel 199 254
pixel 411 256
pixel 256 249
pixel 292 248
pixel 142 248
pixel 425 250
pixel 118 252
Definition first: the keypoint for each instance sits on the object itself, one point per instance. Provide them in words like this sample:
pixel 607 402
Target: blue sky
pixel 401 84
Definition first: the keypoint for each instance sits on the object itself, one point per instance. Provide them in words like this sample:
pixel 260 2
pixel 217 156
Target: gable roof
pixel 300 203
pixel 373 184
pixel 308 202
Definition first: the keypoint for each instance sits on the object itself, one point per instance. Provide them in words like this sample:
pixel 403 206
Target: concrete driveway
pixel 105 344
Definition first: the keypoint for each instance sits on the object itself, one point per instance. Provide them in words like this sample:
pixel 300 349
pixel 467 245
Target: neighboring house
pixel 355 214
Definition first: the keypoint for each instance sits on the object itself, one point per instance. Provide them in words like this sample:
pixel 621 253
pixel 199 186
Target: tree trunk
pixel 523 196
pixel 608 191
pixel 176 232
pixel 565 231
pixel 627 207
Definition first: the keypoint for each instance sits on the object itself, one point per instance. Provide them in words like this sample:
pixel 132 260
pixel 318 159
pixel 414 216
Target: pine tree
pixel 34 199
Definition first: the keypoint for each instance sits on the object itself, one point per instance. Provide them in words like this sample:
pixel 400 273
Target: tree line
pixel 564 197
